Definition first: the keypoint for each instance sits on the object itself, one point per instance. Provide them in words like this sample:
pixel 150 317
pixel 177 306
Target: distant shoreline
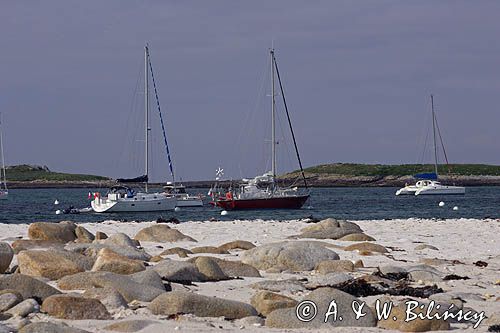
pixel 315 181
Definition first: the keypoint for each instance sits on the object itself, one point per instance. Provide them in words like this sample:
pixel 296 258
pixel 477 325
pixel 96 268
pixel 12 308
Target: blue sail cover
pixel 429 176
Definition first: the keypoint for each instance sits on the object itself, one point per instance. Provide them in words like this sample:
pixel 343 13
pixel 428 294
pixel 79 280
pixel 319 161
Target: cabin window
pixel 132 204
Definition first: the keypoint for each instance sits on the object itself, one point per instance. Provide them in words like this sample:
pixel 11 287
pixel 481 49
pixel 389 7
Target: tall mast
pixel 273 117
pixel 146 110
pixel 3 178
pixel 434 135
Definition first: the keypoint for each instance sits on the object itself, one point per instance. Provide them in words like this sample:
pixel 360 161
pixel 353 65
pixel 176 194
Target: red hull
pixel 295 202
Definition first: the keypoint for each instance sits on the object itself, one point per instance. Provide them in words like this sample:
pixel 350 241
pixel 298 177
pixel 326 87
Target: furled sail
pixel 429 176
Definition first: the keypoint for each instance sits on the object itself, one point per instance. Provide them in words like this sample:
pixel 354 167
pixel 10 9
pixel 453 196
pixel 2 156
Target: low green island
pixel 325 175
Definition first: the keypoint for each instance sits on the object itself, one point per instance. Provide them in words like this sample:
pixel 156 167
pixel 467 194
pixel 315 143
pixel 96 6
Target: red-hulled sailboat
pixel 263 192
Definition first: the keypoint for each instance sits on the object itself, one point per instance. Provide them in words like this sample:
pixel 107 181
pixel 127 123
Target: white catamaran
pixel 122 198
pixel 428 183
pixel 3 179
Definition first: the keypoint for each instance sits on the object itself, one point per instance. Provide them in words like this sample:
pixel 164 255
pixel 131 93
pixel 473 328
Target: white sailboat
pixel 429 183
pixel 184 199
pixel 3 179
pixel 124 199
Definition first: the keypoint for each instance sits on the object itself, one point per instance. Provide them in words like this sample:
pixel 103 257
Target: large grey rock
pixel 27 286
pixel 93 249
pixel 237 245
pixel 356 238
pixel 83 235
pixel 120 239
pixel 60 232
pixel 8 299
pixel 266 302
pixel 293 256
pixel 424 273
pixel 24 308
pixel 109 297
pixel 148 277
pixel 45 327
pixel 6 255
pixel 182 253
pixel 237 268
pixel 177 302
pixel 128 288
pixel 129 325
pixel 178 271
pixel 366 247
pixel 30 244
pixel 110 261
pixel 75 308
pixel 330 229
pixel 209 267
pixel 209 249
pixel 52 264
pixel 322 297
pixel 161 233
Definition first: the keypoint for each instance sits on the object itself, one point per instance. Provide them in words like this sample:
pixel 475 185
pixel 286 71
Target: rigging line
pixel 3 156
pixel 133 103
pixel 289 121
pixel 442 144
pixel 161 120
pixel 249 120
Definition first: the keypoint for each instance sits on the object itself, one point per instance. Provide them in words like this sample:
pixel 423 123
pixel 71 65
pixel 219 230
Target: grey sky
pixel 357 76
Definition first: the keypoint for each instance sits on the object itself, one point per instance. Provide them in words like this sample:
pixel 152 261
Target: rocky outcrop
pixel 52 264
pixel 161 233
pixel 292 256
pixel 330 229
pixel 59 232
pixel 75 308
pixel 177 302
pixel 109 261
pixel 6 255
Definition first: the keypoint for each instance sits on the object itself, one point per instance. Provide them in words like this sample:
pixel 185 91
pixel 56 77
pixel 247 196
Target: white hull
pixel 407 190
pixel 191 202
pixel 3 194
pixel 440 189
pixel 141 202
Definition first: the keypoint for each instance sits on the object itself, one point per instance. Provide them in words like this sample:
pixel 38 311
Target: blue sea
pixel 31 205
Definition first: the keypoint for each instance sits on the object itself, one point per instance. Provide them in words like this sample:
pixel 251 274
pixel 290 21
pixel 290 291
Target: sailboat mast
pixel 3 178
pixel 146 110
pixel 273 117
pixel 434 135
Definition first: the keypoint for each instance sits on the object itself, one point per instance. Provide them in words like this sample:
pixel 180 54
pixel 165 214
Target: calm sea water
pixel 30 205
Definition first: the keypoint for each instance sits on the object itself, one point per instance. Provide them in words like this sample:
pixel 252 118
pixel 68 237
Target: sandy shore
pixel 465 241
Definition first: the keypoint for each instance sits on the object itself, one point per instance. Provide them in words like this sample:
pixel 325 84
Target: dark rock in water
pixel 173 220
pixel 43 327
pixel 455 277
pixel 75 308
pixel 27 286
pixel 177 302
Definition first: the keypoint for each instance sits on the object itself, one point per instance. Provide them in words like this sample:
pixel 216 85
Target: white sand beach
pixel 459 242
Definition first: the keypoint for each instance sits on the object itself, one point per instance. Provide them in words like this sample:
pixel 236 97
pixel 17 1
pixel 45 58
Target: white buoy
pixel 441 204
pixel 223 213
pixel 58 212
pixel 56 202
pixel 455 208
pixel 177 209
